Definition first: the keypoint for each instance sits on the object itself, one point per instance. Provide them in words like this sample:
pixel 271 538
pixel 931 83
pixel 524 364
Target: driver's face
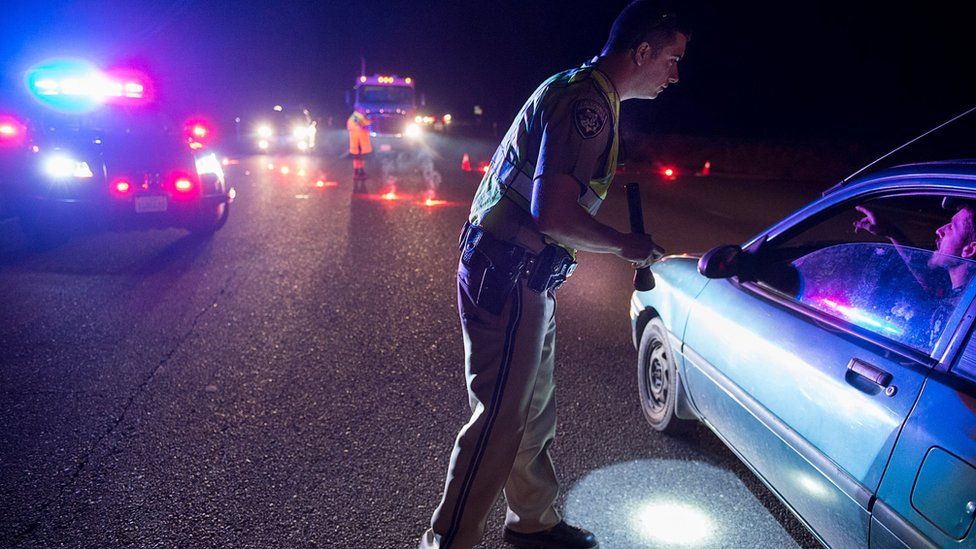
pixel 952 238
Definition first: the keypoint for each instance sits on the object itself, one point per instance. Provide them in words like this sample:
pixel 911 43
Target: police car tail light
pixel 122 187
pixel 62 166
pixel 183 185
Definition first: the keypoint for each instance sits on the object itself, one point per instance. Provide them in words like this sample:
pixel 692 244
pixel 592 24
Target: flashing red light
pixel 199 131
pixel 12 132
pixel 183 185
pixel 669 172
pixel 122 186
pixel 484 167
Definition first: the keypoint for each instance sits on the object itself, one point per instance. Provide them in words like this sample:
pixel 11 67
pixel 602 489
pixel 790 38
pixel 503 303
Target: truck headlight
pixel 62 166
pixel 413 131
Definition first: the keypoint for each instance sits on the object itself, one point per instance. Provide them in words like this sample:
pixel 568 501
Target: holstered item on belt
pixel 551 268
pixel 495 267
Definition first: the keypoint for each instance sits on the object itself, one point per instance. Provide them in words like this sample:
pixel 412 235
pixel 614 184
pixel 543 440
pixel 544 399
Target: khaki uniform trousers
pixel 509 362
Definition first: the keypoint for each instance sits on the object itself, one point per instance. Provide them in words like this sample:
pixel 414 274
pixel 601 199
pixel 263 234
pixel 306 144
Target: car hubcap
pixel 658 378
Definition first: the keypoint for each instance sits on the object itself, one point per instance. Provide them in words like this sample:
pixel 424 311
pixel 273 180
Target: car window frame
pixel 950 344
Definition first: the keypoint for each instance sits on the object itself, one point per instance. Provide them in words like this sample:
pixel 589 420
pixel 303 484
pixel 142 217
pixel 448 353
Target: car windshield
pixel 394 95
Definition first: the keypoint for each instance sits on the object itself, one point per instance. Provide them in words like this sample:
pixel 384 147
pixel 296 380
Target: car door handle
pixel 869 372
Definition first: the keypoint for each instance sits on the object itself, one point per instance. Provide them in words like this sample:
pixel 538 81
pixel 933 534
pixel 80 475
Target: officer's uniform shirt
pixel 568 127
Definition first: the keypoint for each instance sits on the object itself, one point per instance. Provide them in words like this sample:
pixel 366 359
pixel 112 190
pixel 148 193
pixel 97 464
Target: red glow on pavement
pixel 392 195
pixel 430 202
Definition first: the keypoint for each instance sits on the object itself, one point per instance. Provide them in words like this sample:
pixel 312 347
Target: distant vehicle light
pixel 277 108
pixel 263 145
pixel 408 80
pixel 413 131
pixel 62 166
pixel 183 185
pixel 285 170
pixel 362 79
pixel 669 172
pixel 302 145
pixel 448 118
pixel 418 119
pixel 7 131
pixel 265 132
pixel 299 132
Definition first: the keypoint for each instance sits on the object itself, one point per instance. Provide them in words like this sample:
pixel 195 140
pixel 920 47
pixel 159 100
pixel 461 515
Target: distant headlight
pixel 263 144
pixel 413 131
pixel 299 132
pixel 62 166
pixel 265 132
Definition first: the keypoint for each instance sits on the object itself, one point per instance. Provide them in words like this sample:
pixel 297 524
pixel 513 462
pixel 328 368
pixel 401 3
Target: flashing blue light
pixel 71 86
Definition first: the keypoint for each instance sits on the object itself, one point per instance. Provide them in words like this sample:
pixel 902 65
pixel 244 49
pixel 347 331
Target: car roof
pixel 964 168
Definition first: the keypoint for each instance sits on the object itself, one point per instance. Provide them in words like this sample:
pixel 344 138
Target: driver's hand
pixel 871 223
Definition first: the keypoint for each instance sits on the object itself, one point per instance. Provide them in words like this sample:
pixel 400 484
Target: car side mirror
pixel 722 262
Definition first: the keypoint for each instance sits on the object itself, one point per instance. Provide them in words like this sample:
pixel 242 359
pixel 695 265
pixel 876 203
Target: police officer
pixel 531 213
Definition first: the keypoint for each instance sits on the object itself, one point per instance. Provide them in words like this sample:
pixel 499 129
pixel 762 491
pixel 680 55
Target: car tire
pixel 657 380
pixel 211 220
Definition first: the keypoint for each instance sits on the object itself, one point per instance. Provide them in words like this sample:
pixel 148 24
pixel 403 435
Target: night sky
pixel 779 69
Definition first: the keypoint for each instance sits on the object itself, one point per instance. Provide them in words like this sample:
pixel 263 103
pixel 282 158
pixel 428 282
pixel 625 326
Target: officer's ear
pixel 642 53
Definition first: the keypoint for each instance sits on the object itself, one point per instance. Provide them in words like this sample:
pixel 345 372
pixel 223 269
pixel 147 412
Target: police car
pixel 94 152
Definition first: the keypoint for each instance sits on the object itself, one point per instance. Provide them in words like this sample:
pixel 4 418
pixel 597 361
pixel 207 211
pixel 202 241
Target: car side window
pixel 884 266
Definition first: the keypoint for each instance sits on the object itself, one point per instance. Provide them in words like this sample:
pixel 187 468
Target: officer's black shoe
pixel 560 536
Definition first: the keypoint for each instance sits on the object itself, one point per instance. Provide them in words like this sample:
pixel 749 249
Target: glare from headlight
pixel 62 166
pixel 263 144
pixel 299 132
pixel 413 131
pixel 302 145
pixel 265 132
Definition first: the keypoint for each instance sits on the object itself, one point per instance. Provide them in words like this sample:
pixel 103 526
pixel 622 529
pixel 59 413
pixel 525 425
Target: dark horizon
pixel 764 70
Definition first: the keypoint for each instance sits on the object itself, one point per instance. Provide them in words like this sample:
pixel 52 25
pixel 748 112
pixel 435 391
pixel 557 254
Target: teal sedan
pixel 833 353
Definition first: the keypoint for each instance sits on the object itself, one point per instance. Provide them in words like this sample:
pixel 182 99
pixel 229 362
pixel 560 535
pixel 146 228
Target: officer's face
pixel 658 69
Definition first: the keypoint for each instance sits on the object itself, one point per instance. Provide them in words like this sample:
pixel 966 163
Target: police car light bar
pixel 77 85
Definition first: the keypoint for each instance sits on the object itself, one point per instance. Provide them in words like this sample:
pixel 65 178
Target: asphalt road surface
pixel 296 380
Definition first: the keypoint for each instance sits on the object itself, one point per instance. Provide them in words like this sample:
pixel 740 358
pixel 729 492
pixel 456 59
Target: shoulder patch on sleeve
pixel 590 117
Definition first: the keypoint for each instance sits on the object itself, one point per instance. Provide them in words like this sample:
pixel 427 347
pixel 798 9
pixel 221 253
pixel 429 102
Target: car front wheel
pixel 657 380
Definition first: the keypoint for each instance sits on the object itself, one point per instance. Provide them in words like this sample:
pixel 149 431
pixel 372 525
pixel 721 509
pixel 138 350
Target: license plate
pixel 386 147
pixel 147 204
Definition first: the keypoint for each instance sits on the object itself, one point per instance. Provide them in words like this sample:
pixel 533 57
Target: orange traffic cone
pixel 466 163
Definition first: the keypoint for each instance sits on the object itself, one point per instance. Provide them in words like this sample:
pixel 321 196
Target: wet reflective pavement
pixel 296 379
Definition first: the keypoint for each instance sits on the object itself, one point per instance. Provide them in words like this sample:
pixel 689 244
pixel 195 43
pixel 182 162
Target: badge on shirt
pixel 590 116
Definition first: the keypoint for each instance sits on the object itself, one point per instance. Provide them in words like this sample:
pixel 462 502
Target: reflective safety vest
pixel 358 126
pixel 502 202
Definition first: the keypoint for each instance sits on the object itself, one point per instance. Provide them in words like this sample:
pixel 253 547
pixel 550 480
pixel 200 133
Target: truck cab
pixel 390 103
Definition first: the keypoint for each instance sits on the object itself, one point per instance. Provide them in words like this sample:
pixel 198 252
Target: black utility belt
pixel 508 263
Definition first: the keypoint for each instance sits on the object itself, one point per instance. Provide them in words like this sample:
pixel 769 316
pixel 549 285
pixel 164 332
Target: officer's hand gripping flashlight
pixel 643 277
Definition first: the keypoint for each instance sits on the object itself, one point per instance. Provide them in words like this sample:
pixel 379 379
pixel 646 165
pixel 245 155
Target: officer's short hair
pixel 648 21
